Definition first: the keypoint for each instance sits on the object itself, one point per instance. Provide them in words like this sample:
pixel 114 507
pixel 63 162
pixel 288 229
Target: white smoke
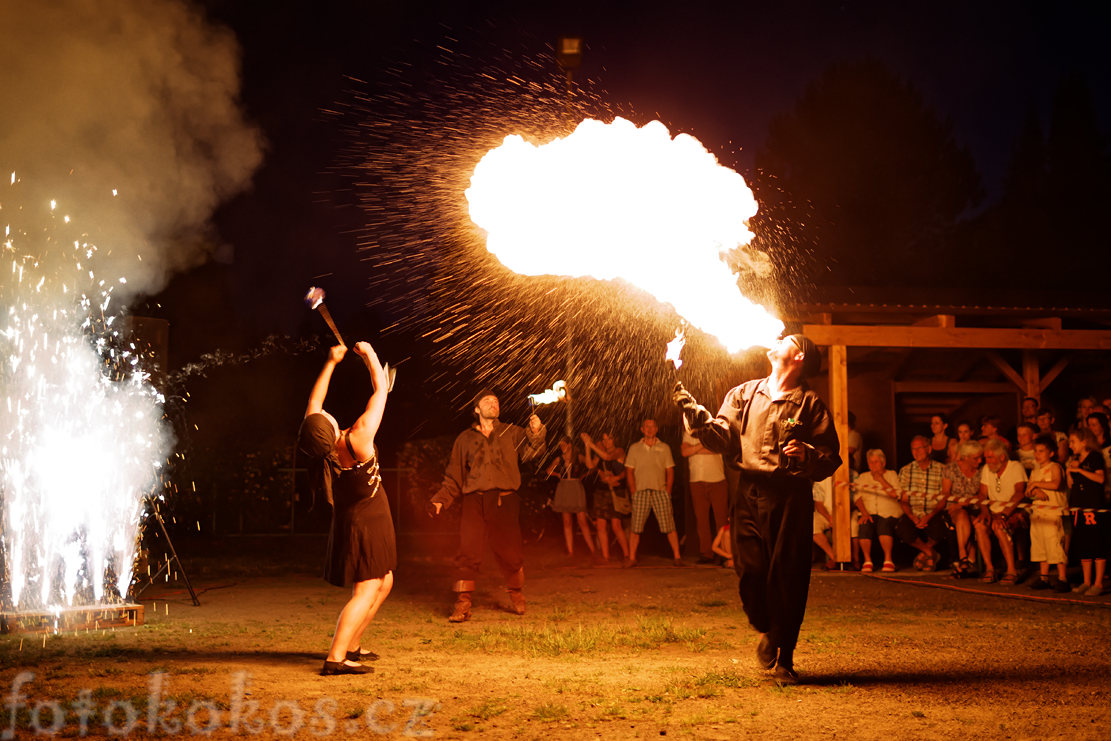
pixel 126 116
pixel 140 98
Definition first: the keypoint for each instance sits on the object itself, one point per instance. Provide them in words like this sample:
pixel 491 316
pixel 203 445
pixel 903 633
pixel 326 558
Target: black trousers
pixel 772 526
pixel 495 516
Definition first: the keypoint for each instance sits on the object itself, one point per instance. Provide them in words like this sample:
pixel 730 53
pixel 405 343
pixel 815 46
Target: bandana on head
pixel 811 356
pixel 315 441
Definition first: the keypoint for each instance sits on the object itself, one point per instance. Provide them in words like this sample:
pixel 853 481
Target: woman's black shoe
pixel 332 668
pixel 358 655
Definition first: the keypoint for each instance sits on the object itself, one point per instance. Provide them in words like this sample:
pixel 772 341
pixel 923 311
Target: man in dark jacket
pixel 483 471
pixel 780 436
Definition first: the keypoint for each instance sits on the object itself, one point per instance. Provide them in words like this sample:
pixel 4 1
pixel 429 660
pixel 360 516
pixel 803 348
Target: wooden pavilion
pixel 906 362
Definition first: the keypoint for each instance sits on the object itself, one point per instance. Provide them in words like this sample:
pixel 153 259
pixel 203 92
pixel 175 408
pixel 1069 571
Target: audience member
pixel 1024 450
pixel 823 519
pixel 1047 536
pixel 723 545
pixel 960 485
pixel 922 524
pixel 610 501
pixel 1030 411
pixel 708 491
pixel 1003 484
pixel 965 434
pixel 877 499
pixel 855 444
pixel 942 447
pixel 989 430
pixel 1046 420
pixel 1083 409
pixel 1086 474
pixel 651 472
pixel 570 494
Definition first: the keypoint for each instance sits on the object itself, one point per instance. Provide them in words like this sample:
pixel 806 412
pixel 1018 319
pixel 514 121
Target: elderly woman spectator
pixel 1002 485
pixel 877 499
pixel 960 486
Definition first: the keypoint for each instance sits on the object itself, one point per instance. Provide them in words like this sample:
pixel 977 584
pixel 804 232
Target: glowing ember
pixel 81 434
pixel 616 201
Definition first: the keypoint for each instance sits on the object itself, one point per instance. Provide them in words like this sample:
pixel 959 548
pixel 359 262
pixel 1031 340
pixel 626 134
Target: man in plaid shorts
pixel 651 472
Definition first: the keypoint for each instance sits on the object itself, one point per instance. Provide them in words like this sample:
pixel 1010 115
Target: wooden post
pixel 842 499
pixel 1031 373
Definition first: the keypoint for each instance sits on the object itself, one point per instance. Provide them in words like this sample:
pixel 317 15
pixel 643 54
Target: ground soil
pixel 602 652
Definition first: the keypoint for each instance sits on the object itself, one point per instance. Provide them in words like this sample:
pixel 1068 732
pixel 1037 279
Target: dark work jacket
pixel 751 429
pixel 480 463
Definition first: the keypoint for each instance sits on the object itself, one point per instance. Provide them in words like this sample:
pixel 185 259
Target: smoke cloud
pixel 142 99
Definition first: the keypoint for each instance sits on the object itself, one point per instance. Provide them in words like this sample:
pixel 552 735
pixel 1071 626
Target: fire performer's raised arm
pixel 320 388
pixel 361 434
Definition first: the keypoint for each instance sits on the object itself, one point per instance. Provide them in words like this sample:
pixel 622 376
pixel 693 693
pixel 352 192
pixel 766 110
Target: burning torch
pixel 314 299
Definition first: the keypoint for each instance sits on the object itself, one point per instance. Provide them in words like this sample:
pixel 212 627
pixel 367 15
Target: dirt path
pixel 602 652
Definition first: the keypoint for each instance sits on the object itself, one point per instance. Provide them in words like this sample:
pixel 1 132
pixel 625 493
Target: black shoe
pixel 766 653
pixel 1061 587
pixel 785 674
pixel 360 655
pixel 332 668
pixel 1041 584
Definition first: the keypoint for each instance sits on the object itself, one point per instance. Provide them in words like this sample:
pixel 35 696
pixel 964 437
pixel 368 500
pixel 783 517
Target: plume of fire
pixel 617 201
pixel 557 393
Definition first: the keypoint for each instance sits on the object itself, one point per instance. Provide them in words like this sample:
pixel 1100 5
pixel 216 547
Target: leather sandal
pixel 1008 579
pixel 334 668
pixel 360 655
pixel 987 577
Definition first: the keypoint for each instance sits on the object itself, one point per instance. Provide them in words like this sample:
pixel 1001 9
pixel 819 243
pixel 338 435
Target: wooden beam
pixel 842 498
pixel 957 337
pixel 952 387
pixel 1052 373
pixel 1049 322
pixel 1005 367
pixel 937 320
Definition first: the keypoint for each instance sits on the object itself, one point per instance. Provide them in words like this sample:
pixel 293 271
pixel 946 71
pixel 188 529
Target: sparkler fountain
pixel 82 440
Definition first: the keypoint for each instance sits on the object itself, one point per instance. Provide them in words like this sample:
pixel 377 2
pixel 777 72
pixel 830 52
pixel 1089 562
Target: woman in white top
pixel 877 498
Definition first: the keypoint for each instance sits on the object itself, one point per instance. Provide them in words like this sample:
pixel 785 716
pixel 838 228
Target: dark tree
pixel 870 181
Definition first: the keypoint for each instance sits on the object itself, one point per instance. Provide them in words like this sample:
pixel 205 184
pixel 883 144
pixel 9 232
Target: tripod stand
pixel 165 567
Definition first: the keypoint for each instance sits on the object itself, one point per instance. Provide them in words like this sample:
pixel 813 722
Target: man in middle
pixel 651 472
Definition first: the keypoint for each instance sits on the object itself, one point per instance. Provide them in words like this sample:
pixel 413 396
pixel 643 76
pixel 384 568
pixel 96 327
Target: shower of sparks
pixel 616 201
pixel 82 439
pixel 414 142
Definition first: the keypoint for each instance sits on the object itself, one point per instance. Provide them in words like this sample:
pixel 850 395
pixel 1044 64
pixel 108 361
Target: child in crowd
pixel 1024 451
pixel 1047 535
pixel 1086 475
pixel 723 545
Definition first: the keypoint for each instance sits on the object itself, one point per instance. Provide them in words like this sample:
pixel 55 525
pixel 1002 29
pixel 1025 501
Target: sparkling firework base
pixel 83 439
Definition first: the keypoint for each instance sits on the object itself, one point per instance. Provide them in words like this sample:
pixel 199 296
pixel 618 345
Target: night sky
pixel 342 91
pixel 719 71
